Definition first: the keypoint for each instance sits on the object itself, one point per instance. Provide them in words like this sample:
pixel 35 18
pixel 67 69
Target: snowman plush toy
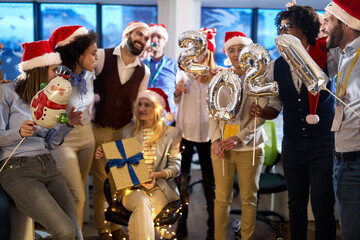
pixel 48 106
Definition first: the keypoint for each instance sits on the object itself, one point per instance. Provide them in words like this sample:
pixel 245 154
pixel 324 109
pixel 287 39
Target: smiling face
pixel 137 40
pixel 146 111
pixel 333 28
pixel 88 59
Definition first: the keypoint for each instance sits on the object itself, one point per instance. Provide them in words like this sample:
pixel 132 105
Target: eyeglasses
pixel 286 27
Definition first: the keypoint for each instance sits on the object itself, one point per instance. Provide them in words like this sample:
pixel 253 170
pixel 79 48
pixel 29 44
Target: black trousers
pixel 308 171
pixel 203 150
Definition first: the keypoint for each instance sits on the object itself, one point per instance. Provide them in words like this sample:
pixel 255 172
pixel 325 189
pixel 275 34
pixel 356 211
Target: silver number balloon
pixel 196 45
pixel 255 59
pixel 300 61
pixel 224 95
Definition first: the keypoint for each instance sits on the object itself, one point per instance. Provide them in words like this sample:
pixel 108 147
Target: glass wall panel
pixel 115 18
pixel 16 26
pixel 54 15
pixel 266 30
pixel 224 20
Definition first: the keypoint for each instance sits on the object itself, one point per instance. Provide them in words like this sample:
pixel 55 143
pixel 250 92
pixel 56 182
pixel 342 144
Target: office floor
pixel 197 219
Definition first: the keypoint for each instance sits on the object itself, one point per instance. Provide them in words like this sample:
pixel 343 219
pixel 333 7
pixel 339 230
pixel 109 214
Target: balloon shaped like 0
pixel 255 58
pixel 300 61
pixel 224 95
pixel 50 103
pixel 196 45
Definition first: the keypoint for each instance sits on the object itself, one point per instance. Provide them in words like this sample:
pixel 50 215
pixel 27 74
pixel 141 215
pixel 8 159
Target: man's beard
pixel 335 37
pixel 132 48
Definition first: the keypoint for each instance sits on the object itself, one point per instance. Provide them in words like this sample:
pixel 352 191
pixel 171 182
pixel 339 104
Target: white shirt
pixel 125 71
pixel 192 115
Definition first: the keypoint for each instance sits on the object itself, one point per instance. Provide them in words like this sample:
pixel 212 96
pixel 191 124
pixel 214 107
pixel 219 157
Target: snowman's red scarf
pixel 43 101
pixel 318 53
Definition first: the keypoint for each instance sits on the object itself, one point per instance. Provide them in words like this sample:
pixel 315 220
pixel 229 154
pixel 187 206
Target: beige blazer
pixel 167 158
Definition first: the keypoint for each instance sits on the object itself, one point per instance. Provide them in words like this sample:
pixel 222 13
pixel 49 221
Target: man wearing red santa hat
pixel 162 69
pixel 120 76
pixel 342 24
pixel 308 143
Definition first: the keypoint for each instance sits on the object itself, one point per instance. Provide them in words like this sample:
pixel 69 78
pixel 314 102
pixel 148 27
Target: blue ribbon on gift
pixel 121 162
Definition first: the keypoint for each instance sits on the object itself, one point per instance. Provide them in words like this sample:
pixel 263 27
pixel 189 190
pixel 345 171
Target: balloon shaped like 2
pixel 300 61
pixel 224 95
pixel 48 106
pixel 255 59
pixel 196 45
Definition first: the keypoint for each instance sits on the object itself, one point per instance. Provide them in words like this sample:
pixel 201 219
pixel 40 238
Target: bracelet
pixel 67 124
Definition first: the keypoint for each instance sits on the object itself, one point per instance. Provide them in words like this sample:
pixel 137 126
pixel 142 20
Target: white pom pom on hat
pixel 312 118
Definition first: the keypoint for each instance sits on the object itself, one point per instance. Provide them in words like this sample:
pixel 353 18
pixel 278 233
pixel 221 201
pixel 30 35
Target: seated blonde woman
pixel 160 145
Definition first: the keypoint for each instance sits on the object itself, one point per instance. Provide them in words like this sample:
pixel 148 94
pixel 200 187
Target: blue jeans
pixel 347 176
pixel 40 192
pixel 5 223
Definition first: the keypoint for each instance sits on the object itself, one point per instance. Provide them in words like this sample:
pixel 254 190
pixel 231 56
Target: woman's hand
pixel 99 153
pixel 27 128
pixel 217 149
pixel 230 143
pixel 150 185
pixel 180 87
pixel 75 117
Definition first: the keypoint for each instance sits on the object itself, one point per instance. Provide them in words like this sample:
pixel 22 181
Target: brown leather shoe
pixel 104 236
pixel 119 234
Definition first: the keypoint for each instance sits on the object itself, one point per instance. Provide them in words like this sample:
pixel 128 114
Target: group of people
pixel 133 90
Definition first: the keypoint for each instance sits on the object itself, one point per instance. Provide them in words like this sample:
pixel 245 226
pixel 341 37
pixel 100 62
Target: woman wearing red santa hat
pixel 193 120
pixel 160 145
pixel 77 48
pixel 31 177
pixel 232 145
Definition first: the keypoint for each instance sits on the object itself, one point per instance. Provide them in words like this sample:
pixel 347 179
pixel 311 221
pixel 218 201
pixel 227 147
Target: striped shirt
pixel 149 153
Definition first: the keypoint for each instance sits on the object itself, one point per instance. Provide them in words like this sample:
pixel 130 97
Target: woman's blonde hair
pixel 209 61
pixel 158 126
pixel 27 84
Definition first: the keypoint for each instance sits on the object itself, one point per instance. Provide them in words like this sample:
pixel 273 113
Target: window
pixel 266 31
pixel 54 15
pixel 115 19
pixel 224 20
pixel 18 24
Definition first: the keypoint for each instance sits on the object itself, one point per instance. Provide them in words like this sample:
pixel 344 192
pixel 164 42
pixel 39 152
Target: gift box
pixel 126 166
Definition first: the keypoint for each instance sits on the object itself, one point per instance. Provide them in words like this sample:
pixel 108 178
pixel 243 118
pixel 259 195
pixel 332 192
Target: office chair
pixel 118 214
pixel 270 182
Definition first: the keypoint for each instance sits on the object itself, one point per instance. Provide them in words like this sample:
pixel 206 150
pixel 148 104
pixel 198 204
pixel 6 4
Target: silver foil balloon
pixel 300 61
pixel 255 59
pixel 196 45
pixel 224 95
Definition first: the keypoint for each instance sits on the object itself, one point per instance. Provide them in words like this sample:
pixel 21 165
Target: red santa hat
pixel 38 54
pixel 65 35
pixel 133 25
pixel 347 11
pixel 318 53
pixel 160 29
pixel 233 38
pixel 210 36
pixel 158 97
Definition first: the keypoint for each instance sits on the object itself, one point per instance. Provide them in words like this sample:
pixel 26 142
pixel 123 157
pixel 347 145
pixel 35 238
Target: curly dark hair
pixel 71 52
pixel 304 17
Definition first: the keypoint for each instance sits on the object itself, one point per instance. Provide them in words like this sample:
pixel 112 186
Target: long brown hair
pixel 209 61
pixel 27 84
